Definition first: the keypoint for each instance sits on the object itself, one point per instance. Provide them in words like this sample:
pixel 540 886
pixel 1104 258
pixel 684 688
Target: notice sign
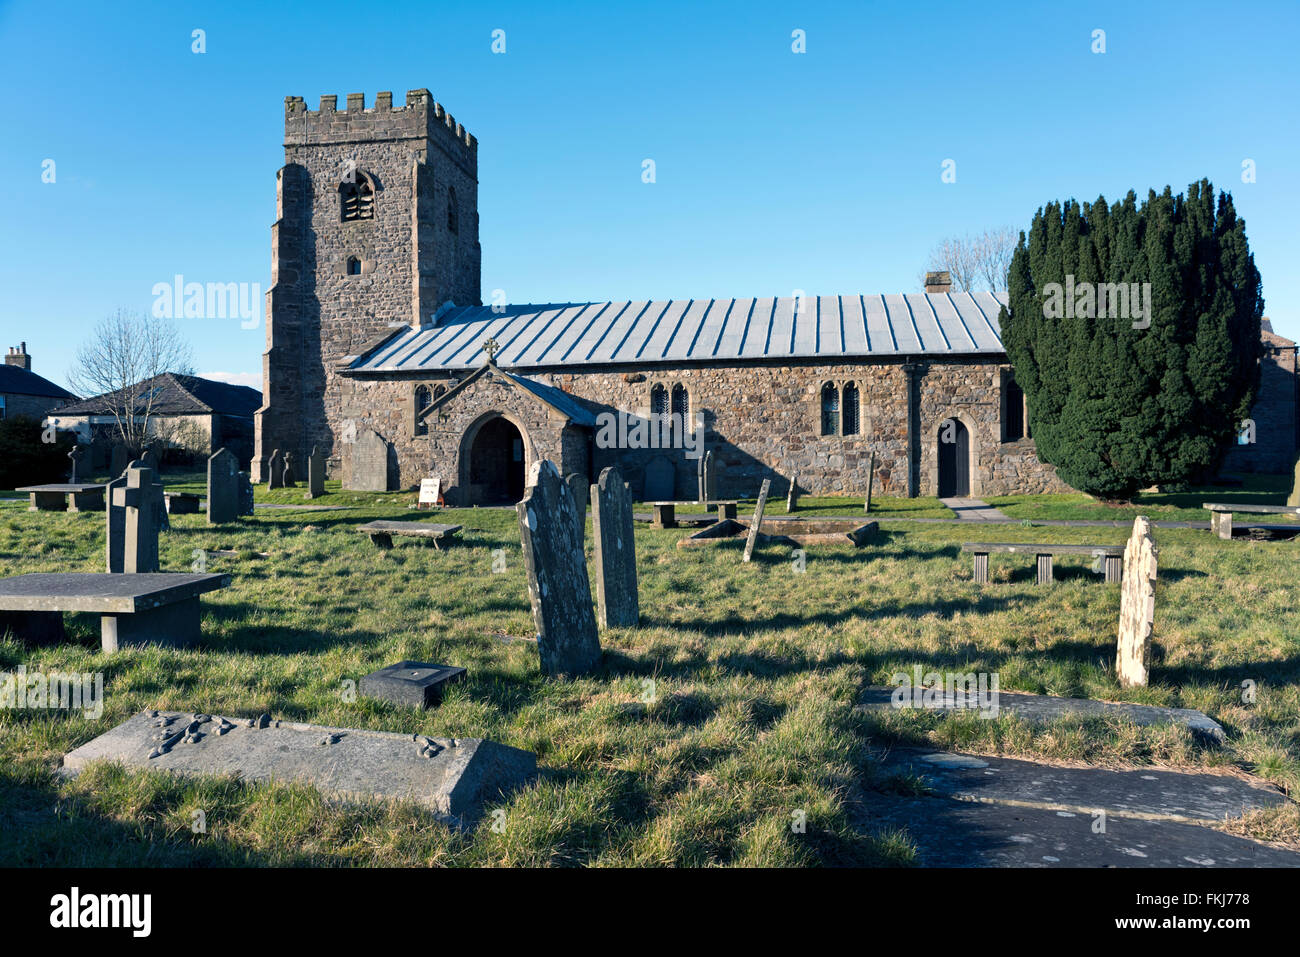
pixel 430 493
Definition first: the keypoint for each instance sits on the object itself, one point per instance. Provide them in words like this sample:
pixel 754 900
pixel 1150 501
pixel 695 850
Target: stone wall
pixel 1274 413
pixel 411 260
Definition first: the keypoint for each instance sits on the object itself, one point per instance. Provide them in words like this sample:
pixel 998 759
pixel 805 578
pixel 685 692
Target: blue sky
pixel 776 171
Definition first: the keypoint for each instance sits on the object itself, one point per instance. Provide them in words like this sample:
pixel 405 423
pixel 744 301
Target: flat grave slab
pixel 1043 709
pixel 151 608
pixel 181 503
pixel 1149 793
pixel 451 777
pixel 382 532
pixel 416 684
pixel 61 496
pixel 787 531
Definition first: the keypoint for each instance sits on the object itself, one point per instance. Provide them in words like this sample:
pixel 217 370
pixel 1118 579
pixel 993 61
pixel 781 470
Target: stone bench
pixel 153 608
pixel 1113 555
pixel 1221 514
pixel 665 513
pixel 382 532
pixel 70 496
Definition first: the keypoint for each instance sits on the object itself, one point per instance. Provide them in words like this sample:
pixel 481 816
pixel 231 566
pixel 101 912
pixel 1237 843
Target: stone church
pixel 381 353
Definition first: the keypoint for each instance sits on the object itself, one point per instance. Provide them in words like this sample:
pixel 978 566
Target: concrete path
pixel 982 811
pixel 972 509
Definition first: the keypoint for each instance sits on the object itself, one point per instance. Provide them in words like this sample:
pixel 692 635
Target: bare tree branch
pixel 977 263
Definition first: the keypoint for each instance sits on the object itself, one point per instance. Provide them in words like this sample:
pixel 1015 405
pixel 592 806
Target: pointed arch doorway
pixel 497 460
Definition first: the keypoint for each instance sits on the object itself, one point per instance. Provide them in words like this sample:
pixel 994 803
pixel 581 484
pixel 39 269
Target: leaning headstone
pixel 1294 498
pixel 707 478
pixel 118 461
pixel 792 497
pixel 275 470
pixel 758 519
pixel 290 478
pixel 76 457
pixel 871 481
pixel 223 487
pixel 611 518
pixel 315 473
pixel 558 586
pixel 134 505
pixel 454 778
pixel 660 480
pixel 1137 606
pixel 369 463
pixel 578 489
pixel 245 494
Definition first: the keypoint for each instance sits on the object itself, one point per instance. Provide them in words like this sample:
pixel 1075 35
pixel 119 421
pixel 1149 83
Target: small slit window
pixel 453 212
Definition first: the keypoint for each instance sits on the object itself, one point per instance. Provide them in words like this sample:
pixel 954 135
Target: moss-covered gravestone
pixel 1137 605
pixel 611 516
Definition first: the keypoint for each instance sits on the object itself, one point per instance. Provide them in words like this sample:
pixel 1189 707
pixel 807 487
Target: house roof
pixel 696 330
pixel 180 395
pixel 15 380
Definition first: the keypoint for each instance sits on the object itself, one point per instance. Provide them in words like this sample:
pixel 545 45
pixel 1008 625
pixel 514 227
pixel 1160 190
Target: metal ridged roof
pixel 698 330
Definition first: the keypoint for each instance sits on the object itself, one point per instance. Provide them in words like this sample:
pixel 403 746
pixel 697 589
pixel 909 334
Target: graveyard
pixel 685 727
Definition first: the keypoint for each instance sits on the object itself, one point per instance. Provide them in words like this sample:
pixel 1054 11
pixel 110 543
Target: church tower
pixel 376 226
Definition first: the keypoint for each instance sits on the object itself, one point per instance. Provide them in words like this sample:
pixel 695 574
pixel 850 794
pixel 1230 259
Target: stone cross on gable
pixel 490 347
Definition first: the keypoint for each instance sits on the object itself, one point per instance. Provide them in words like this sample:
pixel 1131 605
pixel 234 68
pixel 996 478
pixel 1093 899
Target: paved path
pixel 972 509
pixel 983 811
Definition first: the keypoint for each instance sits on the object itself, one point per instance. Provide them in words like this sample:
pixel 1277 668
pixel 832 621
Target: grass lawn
pixel 1169 506
pixel 730 708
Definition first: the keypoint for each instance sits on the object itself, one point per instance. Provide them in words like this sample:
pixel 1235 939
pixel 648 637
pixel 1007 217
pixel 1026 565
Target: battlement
pixel 421 112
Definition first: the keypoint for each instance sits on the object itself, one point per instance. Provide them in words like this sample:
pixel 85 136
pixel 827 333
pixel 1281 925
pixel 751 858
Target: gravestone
pixel 758 519
pixel 1294 498
pixel 611 517
pixel 558 587
pixel 871 481
pixel 707 478
pixel 315 473
pixel 578 489
pixel 369 460
pixel 1137 605
pixel 245 494
pixel 77 456
pixel 454 778
pixel 223 487
pixel 134 504
pixel 415 684
pixel 660 480
pixel 275 470
pixel 150 459
pixel 118 461
pixel 290 478
pixel 792 497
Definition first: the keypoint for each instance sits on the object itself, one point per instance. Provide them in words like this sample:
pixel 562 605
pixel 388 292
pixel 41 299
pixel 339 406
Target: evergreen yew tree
pixel 1116 404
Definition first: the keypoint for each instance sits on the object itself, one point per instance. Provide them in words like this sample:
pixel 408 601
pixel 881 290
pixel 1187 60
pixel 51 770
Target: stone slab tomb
pixel 558 587
pixel 617 599
pixel 1137 605
pixel 454 778
pixel 381 532
pixel 223 487
pixel 414 684
pixel 70 496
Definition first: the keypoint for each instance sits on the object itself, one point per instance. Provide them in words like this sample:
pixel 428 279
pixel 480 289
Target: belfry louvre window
pixel 850 409
pixel 830 409
pixel 356 198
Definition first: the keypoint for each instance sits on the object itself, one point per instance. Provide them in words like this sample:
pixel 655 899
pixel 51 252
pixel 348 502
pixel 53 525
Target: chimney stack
pixel 19 357
pixel 938 282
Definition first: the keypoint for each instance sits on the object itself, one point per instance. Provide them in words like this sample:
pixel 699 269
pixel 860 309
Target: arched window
pixel 453 211
pixel 354 266
pixel 356 197
pixel 830 408
pixel 658 400
pixel 850 409
pixel 681 404
pixel 423 399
